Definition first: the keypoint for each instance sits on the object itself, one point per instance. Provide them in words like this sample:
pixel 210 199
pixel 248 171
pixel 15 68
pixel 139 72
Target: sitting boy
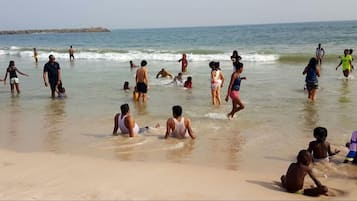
pixel 293 181
pixel 320 148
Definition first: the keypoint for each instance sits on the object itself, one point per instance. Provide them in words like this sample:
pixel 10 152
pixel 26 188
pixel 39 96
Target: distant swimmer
pixel 35 55
pixel 132 65
pixel 233 90
pixel 235 58
pixel 178 79
pixel 126 122
pixel 184 63
pixel 71 53
pixel 346 61
pixel 178 126
pixel 312 71
pixel 163 73
pixel 293 180
pixel 188 83
pixel 320 53
pixel 142 81
pixel 14 80
pixel 126 86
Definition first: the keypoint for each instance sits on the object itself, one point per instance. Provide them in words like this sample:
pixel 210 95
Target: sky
pixel 124 14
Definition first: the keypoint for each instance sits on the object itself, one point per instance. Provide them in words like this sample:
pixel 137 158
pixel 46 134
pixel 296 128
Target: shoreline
pixel 63 176
pixel 35 31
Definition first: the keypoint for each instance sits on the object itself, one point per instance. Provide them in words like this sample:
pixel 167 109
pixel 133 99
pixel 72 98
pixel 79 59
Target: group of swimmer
pixel 313 68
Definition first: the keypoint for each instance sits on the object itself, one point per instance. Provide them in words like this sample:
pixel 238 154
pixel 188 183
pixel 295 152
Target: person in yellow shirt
pixel 346 61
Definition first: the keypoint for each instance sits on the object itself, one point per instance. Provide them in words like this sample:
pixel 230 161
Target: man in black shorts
pixel 53 71
pixel 142 81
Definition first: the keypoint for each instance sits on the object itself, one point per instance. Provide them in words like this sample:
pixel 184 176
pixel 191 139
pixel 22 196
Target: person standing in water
pixel 217 80
pixel 320 53
pixel 233 90
pixel 35 55
pixel 184 63
pixel 312 71
pixel 71 53
pixel 14 80
pixel 53 71
pixel 346 61
pixel 142 81
pixel 235 58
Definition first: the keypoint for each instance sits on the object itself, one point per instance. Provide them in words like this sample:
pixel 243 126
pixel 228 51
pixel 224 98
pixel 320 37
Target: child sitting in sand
pixel 352 145
pixel 188 83
pixel 293 181
pixel 320 148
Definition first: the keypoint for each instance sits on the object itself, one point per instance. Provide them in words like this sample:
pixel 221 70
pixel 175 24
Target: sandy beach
pixel 47 176
pixel 63 149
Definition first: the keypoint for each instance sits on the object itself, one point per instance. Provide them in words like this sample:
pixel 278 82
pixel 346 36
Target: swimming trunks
pixel 234 94
pixel 312 85
pixel 123 128
pixel 14 80
pixel 216 82
pixel 141 87
pixel 327 159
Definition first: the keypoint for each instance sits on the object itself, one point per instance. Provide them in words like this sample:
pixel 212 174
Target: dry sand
pixel 48 176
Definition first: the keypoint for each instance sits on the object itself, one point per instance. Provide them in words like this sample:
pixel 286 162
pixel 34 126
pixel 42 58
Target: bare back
pixel 141 75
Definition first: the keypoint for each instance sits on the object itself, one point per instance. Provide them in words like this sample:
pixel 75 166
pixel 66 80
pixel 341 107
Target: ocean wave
pixel 127 55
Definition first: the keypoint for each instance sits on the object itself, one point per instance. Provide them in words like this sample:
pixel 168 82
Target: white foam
pixel 216 116
pixel 153 55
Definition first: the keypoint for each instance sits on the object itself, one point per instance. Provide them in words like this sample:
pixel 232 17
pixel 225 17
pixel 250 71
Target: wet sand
pixel 48 176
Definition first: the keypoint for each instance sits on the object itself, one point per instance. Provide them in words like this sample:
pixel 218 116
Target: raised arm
pixel 21 73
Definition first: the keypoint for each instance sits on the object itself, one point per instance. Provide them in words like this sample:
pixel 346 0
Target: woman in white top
pixel 217 80
pixel 178 126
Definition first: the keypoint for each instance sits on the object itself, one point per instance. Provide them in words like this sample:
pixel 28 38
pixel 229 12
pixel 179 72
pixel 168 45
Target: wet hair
pixel 179 74
pixel 235 53
pixel 304 157
pixel 176 111
pixel 320 133
pixel 61 89
pixel 124 109
pixel 51 55
pixel 312 63
pixel 143 63
pixel 126 85
pixel 346 51
pixel 216 65
pixel 189 78
pixel 351 51
pixel 211 64
pixel 11 63
pixel 238 65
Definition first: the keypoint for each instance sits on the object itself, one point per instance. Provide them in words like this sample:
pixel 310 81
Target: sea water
pixel 276 123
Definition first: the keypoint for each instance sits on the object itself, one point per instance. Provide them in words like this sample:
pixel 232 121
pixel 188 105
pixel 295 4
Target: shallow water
pixel 278 119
